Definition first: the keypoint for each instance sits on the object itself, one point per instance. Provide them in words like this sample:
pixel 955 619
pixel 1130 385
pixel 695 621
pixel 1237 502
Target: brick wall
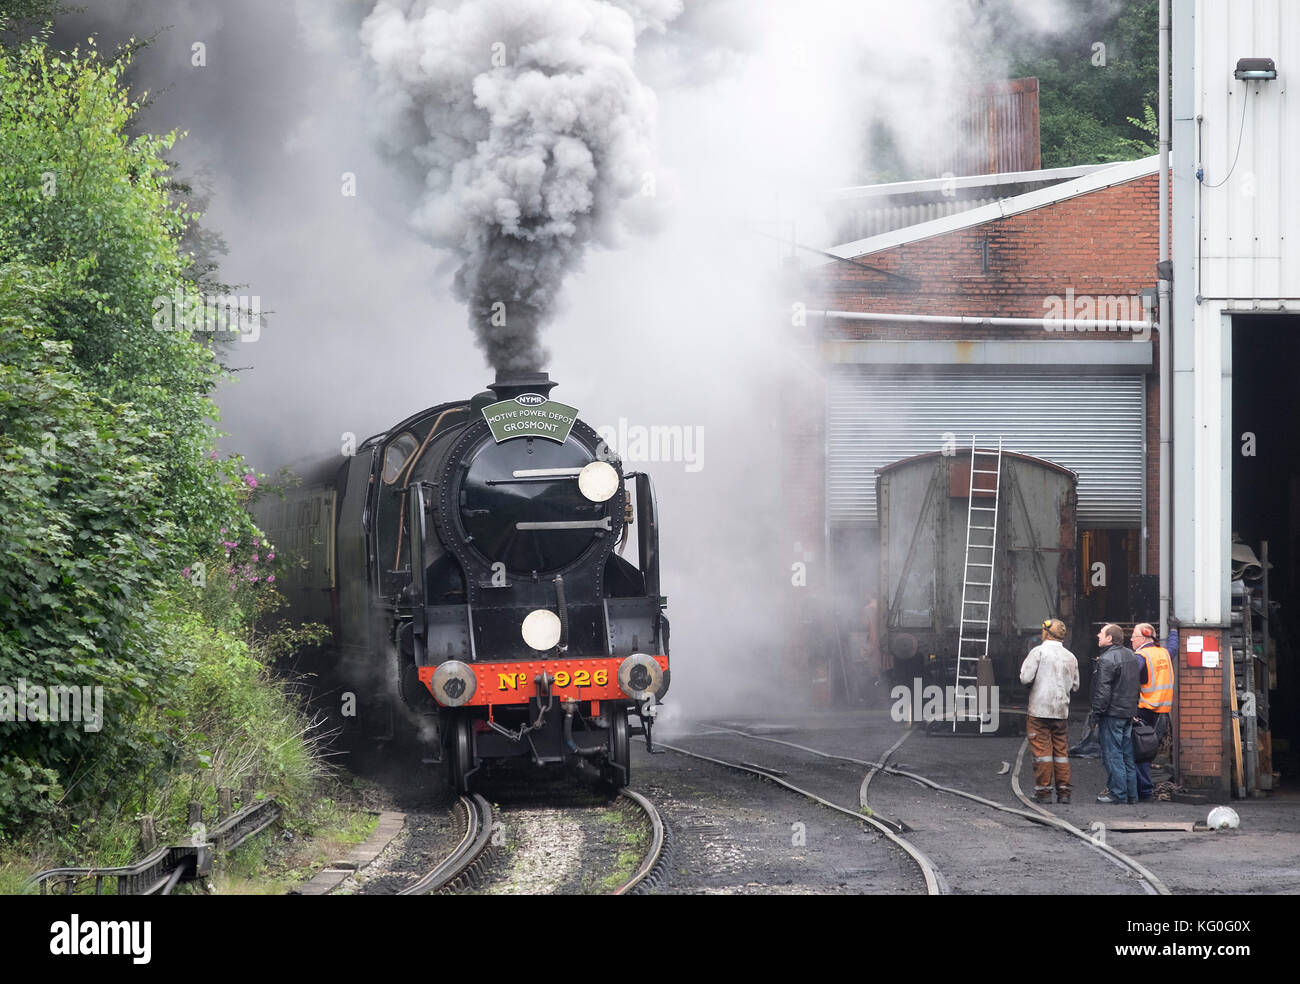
pixel 1099 244
pixel 1200 716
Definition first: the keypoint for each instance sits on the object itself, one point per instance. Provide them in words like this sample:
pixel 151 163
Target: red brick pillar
pixel 1199 709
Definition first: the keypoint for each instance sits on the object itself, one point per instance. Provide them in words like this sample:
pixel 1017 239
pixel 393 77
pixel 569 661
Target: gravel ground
pixel 426 839
pixel 555 833
pixel 980 850
pixel 434 823
pixel 580 843
pixel 977 849
pixel 735 835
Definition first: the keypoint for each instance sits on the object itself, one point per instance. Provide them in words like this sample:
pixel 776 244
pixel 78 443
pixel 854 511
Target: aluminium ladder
pixel 977 581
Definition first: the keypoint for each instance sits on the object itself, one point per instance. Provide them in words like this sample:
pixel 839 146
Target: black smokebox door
pixel 493 500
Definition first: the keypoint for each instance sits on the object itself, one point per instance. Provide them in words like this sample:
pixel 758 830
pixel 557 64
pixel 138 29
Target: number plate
pixel 515 682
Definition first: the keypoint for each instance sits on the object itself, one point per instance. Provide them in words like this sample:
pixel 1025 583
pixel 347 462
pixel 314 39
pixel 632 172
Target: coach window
pixel 398 454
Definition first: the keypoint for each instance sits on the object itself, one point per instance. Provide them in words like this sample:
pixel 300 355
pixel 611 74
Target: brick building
pixel 1013 309
pixel 945 316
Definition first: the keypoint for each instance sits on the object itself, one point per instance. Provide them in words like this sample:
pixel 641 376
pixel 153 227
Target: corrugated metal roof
pixel 996 130
pixel 864 222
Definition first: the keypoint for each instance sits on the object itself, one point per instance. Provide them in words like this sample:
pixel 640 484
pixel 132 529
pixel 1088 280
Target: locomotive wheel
pixel 619 770
pixel 460 752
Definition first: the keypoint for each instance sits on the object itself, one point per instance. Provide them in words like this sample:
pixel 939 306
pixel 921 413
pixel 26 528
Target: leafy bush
pixel 91 207
pixel 86 533
pixel 111 493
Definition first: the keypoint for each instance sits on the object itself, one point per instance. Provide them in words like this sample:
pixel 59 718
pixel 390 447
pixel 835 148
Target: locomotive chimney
pixel 511 384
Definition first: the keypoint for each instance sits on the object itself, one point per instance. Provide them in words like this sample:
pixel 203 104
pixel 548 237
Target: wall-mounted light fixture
pixel 1255 69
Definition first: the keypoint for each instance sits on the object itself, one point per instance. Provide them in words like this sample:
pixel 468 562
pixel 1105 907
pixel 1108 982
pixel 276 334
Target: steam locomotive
pixel 474 555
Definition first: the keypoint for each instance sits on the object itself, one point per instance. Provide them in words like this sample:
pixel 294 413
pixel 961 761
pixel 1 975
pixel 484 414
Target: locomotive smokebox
pixel 511 384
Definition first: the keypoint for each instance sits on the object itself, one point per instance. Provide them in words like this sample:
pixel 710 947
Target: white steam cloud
pixel 534 138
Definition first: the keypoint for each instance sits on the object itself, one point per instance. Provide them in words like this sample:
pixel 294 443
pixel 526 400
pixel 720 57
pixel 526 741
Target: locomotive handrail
pixel 416 531
pixel 565 524
pixel 525 480
pixel 546 472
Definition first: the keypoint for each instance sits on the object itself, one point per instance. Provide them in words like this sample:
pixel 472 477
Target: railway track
pixel 935 883
pixel 467 860
pixel 471 863
pixel 1154 884
pixel 647 874
pixel 1035 814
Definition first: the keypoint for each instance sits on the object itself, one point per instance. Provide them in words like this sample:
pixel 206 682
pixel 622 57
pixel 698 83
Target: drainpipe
pixel 1166 543
pixel 1166 361
pixel 1047 324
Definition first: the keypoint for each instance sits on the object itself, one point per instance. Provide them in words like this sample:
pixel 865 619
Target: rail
pixel 163 869
pixel 934 880
pixel 647 874
pixel 1152 884
pixel 467 860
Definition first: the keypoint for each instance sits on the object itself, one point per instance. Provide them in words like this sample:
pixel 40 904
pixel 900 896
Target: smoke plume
pixel 533 137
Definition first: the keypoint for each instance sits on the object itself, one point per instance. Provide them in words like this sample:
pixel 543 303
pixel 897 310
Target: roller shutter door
pixel 1093 425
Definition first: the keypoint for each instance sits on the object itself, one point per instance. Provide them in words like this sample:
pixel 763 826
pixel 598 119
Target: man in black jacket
pixel 1114 704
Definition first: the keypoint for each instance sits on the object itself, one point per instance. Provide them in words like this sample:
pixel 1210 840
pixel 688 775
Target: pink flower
pixel 254 558
pixel 270 578
pixel 250 481
pixel 213 456
pixel 223 531
pixel 270 556
pixel 185 573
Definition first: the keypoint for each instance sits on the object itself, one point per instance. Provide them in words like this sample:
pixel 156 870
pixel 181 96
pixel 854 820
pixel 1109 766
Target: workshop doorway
pixel 1265 446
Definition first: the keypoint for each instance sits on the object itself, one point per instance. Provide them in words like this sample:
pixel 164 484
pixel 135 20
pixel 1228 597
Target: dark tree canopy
pixel 1094 81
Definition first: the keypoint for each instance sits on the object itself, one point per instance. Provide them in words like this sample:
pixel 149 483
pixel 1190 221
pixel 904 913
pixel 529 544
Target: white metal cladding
pixel 1250 222
pixel 1093 425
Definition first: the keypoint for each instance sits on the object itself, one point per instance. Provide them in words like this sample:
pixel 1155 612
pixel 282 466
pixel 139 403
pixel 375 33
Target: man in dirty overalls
pixel 1054 673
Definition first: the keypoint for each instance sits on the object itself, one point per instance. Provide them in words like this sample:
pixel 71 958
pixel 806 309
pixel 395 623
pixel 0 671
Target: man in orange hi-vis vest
pixel 1156 698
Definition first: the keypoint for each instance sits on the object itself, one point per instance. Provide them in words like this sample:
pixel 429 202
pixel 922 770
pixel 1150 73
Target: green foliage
pixel 86 534
pixel 1089 96
pixel 21 19
pixel 1150 122
pixel 91 207
pixel 225 719
pixel 233 719
pixel 1097 67
pixel 14 879
pixel 110 492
